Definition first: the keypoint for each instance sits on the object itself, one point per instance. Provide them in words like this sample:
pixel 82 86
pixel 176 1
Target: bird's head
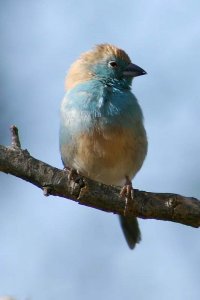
pixel 106 63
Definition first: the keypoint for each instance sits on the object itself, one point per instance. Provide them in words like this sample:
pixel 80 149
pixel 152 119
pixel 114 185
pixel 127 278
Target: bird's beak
pixel 133 70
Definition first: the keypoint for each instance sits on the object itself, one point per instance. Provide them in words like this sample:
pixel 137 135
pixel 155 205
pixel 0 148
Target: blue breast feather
pixel 91 104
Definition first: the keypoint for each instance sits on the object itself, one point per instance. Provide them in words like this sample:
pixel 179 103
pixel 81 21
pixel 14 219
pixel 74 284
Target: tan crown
pixel 79 70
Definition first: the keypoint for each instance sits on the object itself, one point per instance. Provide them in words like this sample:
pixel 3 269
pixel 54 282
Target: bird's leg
pixel 75 176
pixel 72 173
pixel 127 191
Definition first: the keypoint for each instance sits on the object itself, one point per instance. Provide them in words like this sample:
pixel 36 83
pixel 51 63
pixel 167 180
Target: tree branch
pixel 53 181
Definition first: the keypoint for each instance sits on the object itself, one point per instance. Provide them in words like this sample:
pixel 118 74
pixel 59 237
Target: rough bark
pixel 53 181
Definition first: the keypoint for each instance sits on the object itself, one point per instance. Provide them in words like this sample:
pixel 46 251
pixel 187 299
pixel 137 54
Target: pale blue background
pixel 51 248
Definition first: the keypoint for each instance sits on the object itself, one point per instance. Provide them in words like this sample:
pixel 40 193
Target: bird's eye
pixel 112 64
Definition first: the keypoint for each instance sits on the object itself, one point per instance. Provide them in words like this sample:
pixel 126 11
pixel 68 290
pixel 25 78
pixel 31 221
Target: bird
pixel 102 134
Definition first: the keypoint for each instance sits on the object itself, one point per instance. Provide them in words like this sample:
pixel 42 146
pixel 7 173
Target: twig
pixel 15 137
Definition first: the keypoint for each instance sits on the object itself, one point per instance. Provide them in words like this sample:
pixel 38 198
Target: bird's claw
pixel 127 191
pixel 75 176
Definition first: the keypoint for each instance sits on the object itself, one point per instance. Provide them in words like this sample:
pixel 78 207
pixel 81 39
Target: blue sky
pixel 53 248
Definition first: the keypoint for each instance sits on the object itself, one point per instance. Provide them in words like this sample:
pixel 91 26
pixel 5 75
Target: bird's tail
pixel 131 230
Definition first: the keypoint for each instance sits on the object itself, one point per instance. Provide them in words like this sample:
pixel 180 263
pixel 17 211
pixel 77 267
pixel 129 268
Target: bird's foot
pixel 72 173
pixel 75 176
pixel 127 192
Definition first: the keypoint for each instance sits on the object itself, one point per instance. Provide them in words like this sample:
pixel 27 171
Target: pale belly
pixel 107 156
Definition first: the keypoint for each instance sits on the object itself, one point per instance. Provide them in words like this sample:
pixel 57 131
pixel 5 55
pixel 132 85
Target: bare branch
pixel 53 181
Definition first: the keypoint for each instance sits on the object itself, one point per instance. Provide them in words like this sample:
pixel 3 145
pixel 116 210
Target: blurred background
pixel 51 248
